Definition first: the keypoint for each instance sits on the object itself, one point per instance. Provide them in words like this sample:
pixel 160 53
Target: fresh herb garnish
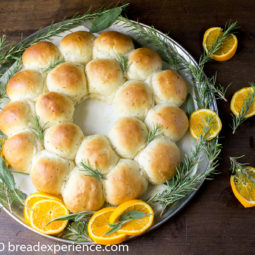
pixel 152 134
pixel 92 172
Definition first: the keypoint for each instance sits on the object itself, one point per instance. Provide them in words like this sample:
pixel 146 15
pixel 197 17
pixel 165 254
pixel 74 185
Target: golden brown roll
pixel 63 139
pixel 142 63
pixel 169 87
pixel 82 193
pixel 159 160
pixel 41 55
pixel 124 182
pixel 128 136
pixel 16 116
pixel 68 79
pixel 20 149
pixel 53 108
pixel 110 44
pixel 173 121
pixel 49 172
pixel 133 99
pixel 77 47
pixel 97 152
pixel 105 76
pixel 27 84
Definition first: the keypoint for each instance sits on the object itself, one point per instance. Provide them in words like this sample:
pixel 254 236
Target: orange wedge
pixel 238 100
pixel 31 200
pixel 228 47
pixel 136 226
pixel 46 210
pixel 205 120
pixel 244 188
pixel 98 227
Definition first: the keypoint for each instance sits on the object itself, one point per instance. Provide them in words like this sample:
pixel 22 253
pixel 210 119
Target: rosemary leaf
pixel 106 19
pixel 92 172
pixel 53 65
pixel 123 62
pixel 237 120
pixel 6 175
pixel 38 128
pixel 189 105
pixel 152 134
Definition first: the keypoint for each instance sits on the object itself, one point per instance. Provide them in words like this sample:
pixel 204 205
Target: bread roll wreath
pixel 54 79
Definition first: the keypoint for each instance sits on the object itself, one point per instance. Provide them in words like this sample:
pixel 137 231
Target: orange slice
pixel 228 47
pixel 136 226
pixel 244 188
pixel 238 99
pixel 98 227
pixel 31 200
pixel 43 212
pixel 205 120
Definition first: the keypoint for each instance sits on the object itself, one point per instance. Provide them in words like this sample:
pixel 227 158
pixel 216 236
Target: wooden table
pixel 213 222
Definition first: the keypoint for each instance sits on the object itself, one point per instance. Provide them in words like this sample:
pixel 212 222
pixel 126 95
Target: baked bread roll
pixel 16 116
pixel 68 79
pixel 27 84
pixel 105 76
pixel 128 136
pixel 134 99
pixel 53 108
pixel 49 171
pixel 173 121
pixel 169 87
pixel 159 160
pixel 20 149
pixel 124 182
pixel 63 139
pixel 77 47
pixel 110 44
pixel 142 63
pixel 82 193
pixel 41 55
pixel 96 151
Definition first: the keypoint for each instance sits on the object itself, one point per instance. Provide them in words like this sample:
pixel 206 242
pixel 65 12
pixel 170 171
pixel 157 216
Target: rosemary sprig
pixel 152 134
pixel 37 127
pixel 123 62
pixel 237 120
pixel 53 65
pixel 186 179
pixel 126 217
pixel 92 172
pixel 77 228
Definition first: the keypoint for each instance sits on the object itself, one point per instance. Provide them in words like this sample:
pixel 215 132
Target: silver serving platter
pixel 186 146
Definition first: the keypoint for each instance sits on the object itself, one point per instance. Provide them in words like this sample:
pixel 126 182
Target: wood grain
pixel 213 222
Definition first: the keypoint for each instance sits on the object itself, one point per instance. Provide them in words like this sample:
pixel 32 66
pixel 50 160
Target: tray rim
pixel 185 200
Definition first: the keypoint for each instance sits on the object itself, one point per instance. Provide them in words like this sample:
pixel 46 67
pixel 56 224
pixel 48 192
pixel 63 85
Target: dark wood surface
pixel 213 222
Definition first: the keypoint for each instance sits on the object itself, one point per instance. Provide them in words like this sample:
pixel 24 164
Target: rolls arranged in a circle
pixel 88 171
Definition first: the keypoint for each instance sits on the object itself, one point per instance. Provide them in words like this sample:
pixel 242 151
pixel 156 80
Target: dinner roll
pixel 173 121
pixel 128 136
pixel 19 150
pixel 142 63
pixel 134 99
pixel 77 47
pixel 16 116
pixel 53 108
pixel 105 76
pixel 41 55
pixel 110 44
pixel 96 151
pixel 82 192
pixel 124 182
pixel 169 87
pixel 159 160
pixel 27 84
pixel 49 171
pixel 68 79
pixel 63 139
